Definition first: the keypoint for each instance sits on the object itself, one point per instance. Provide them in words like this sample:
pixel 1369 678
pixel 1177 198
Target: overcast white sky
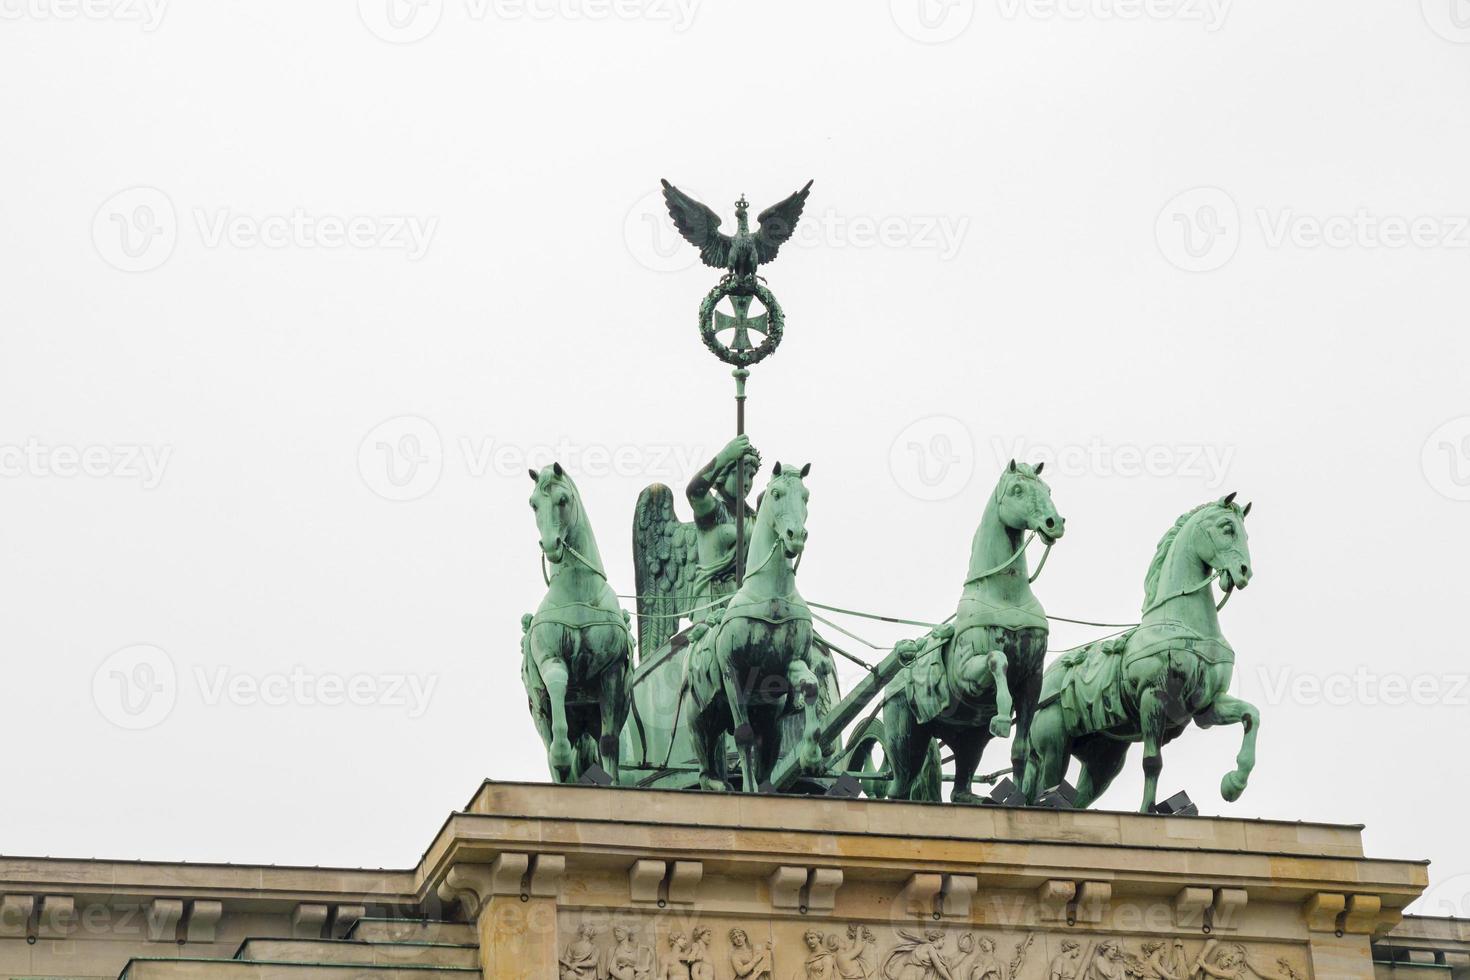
pixel 1178 247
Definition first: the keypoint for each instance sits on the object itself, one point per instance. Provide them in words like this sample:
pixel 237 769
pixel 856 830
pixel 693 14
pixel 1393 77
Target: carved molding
pixel 204 915
pixel 1322 909
pixel 473 885
pixel 58 915
pixel 958 895
pixel 1190 905
pixel 1093 898
pixel 920 894
pixel 15 914
pixel 162 919
pixel 307 920
pixel 786 883
pixel 1053 897
pixel 1363 912
pixel 645 878
pixel 684 878
pixel 345 917
pixel 822 889
pixel 547 871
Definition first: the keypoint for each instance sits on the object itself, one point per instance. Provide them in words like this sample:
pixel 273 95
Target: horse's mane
pixel 1156 567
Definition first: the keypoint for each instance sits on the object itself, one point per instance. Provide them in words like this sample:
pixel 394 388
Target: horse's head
pixel 783 508
pixel 1024 502
pixel 1221 542
pixel 558 509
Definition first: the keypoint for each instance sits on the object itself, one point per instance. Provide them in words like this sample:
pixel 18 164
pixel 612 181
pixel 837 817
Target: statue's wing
pixel 699 225
pixel 778 223
pixel 666 562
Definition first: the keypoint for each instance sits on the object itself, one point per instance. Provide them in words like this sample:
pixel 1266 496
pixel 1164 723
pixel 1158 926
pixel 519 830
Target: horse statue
pixel 1150 683
pixel 747 669
pixel 577 648
pixel 968 677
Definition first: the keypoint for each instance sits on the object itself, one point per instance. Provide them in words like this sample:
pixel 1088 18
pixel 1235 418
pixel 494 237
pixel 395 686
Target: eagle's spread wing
pixel 699 225
pixel 666 563
pixel 778 222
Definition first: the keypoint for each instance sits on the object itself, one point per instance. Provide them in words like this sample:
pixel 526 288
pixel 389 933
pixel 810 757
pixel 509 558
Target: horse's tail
pixel 865 737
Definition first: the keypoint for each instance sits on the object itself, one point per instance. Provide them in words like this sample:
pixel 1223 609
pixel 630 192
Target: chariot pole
pixel 740 374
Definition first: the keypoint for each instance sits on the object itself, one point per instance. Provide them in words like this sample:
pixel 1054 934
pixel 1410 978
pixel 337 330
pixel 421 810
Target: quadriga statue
pixel 973 677
pixel 1150 683
pixel 577 649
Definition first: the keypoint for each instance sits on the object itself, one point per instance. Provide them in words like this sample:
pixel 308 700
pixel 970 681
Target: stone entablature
pixel 709 884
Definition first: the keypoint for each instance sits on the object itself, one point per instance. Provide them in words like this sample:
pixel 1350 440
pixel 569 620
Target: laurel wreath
pixel 775 321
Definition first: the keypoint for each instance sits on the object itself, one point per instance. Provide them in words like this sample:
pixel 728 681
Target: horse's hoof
pixel 713 785
pixel 964 797
pixel 561 755
pixel 1232 786
pixel 1000 727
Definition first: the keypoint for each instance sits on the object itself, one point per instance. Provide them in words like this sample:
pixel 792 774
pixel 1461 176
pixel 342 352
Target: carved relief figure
pixel 1067 964
pixel 1161 961
pixel 820 962
pixel 985 966
pixel 676 964
pixel 918 958
pixel 1108 962
pixel 748 961
pixel 627 960
pixel 579 959
pixel 700 967
pixel 858 959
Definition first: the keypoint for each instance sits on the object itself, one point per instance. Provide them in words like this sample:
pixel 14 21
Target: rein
pixel 1191 591
pixel 1030 536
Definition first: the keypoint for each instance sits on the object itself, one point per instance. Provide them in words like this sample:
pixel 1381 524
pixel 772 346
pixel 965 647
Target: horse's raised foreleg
pixel 1000 725
pixel 1153 719
pixel 1227 710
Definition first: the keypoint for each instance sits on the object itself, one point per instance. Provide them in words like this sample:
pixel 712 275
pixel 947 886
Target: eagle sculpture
pixel 742 253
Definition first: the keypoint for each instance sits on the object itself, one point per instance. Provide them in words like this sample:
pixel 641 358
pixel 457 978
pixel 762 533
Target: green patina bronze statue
pixel 577 648
pixel 1149 683
pixel 970 677
pixel 755 663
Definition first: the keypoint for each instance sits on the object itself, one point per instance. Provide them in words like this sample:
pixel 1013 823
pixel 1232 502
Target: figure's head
pixel 620 933
pixel 702 934
pixel 966 943
pixel 1151 946
pixel 1024 502
pixel 1069 947
pixel 833 943
pixel 813 939
pixel 738 938
pixel 742 211
pixel 587 930
pixel 558 509
pixel 678 942
pixel 987 945
pixel 736 482
pixel 783 508
pixel 1221 542
pixel 934 935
